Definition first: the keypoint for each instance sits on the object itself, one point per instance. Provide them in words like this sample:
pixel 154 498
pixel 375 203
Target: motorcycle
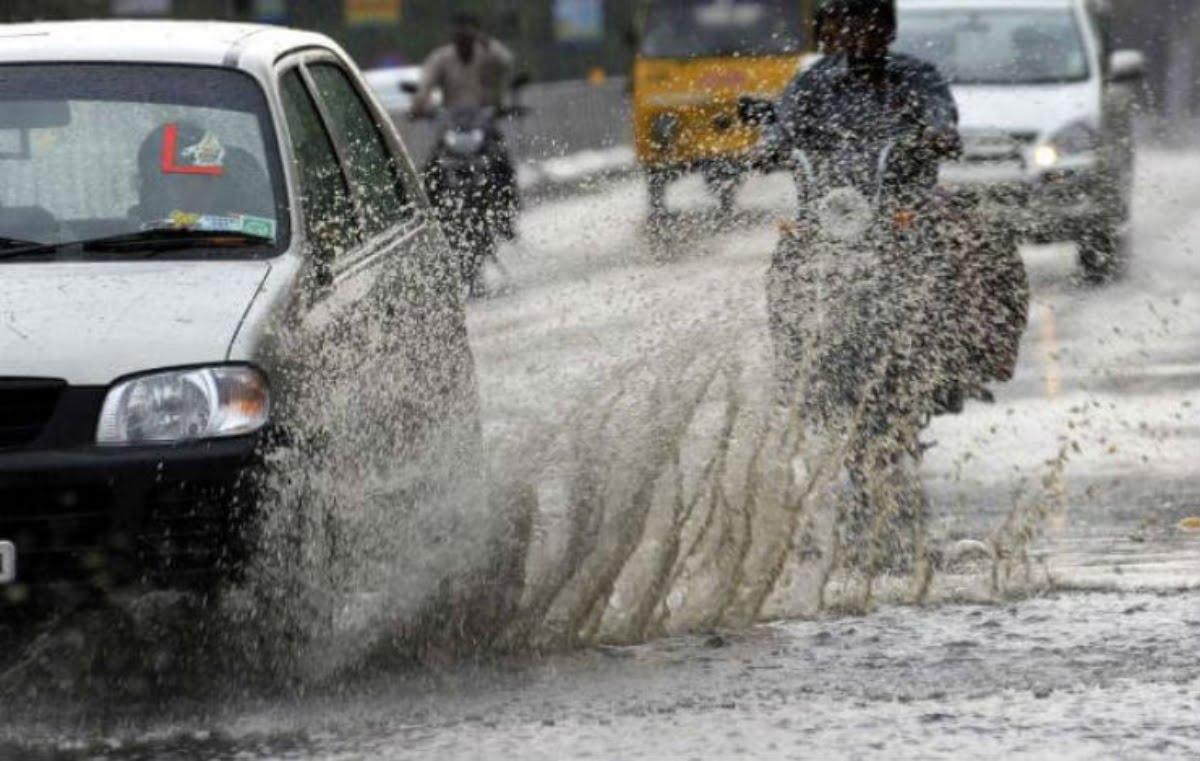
pixel 888 304
pixel 471 182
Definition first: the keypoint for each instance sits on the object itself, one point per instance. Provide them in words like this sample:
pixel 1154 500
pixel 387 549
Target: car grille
pixel 77 535
pixel 62 535
pixel 25 408
pixel 190 534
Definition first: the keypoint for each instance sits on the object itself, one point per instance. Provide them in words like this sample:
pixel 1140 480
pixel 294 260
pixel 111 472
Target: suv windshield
pixel 703 28
pixel 987 46
pixel 101 152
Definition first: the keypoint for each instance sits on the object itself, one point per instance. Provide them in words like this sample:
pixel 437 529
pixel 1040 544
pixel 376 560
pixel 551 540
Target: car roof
pixel 201 43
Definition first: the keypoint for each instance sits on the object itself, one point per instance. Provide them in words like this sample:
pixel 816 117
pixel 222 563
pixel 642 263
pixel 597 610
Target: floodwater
pixel 670 604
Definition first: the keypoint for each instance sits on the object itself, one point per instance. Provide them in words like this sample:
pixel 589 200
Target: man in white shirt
pixel 472 71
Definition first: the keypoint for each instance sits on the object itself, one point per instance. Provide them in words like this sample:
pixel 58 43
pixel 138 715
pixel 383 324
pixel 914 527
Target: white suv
pixel 1046 114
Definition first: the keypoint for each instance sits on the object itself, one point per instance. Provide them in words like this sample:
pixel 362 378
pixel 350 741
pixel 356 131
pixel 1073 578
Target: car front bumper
pixel 1048 205
pixel 84 517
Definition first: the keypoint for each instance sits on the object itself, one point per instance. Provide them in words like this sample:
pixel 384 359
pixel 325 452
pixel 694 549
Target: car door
pixel 384 326
pixel 360 207
pixel 380 483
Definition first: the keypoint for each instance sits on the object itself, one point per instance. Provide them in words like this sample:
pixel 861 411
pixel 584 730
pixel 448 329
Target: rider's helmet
pixel 880 12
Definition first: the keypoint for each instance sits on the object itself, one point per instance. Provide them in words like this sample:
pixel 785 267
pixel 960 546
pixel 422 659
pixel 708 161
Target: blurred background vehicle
pixel 1047 114
pixel 695 58
pixel 394 85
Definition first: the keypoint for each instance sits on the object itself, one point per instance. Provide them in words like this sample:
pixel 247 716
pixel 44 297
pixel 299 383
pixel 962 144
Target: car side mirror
pixel 1127 66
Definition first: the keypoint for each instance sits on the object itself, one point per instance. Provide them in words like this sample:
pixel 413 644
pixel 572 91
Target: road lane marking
pixel 1049 345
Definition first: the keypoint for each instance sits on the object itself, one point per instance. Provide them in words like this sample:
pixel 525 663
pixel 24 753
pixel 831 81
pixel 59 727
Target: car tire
pixel 1101 254
pixel 656 184
pixel 724 183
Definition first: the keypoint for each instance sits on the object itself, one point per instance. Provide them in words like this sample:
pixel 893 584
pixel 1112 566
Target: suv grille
pixel 25 408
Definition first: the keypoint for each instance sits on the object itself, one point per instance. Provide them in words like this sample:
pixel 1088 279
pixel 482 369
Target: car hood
pixel 1041 109
pixel 90 323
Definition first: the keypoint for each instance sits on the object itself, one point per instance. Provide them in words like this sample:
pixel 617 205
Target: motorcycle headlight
pixel 1074 140
pixel 464 141
pixel 844 214
pixel 185 405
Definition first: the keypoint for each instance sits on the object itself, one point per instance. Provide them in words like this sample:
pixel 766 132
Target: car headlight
pixel 185 405
pixel 1074 140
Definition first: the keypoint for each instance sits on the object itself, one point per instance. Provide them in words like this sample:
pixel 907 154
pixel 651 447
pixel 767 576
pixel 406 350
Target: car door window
pixel 333 227
pixel 370 163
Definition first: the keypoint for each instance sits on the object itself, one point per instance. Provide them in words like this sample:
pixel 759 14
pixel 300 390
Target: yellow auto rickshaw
pixel 696 59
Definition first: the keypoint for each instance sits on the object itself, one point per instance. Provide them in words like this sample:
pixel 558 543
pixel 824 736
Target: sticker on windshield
pixel 206 157
pixel 259 227
pixel 207 153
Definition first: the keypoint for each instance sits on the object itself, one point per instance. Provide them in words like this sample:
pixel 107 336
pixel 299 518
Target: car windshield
pixel 90 152
pixel 702 28
pixel 996 45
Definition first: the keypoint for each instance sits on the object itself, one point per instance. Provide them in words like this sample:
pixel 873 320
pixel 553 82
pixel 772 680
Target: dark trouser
pixel 504 179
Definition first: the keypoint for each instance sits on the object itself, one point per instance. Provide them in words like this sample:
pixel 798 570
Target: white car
pixel 213 247
pixel 392 86
pixel 1046 113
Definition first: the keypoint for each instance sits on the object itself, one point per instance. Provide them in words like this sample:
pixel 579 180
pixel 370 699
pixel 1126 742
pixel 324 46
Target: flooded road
pixel 1073 676
pixel 1062 620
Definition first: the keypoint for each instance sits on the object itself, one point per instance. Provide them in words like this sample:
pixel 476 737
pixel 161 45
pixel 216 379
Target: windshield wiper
pixel 14 248
pixel 158 241
pixel 17 243
pixel 148 242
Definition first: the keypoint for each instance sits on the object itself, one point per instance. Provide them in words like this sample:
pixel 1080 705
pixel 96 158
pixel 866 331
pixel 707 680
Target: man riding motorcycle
pixel 888 303
pixel 474 72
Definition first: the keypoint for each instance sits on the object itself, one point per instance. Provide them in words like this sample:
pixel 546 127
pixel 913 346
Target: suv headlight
pixel 185 405
pixel 1074 140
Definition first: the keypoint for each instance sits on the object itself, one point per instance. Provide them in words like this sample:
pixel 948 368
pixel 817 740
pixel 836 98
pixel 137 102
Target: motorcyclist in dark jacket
pixel 859 91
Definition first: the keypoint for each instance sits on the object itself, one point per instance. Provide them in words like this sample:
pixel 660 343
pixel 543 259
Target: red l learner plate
pixel 8 562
